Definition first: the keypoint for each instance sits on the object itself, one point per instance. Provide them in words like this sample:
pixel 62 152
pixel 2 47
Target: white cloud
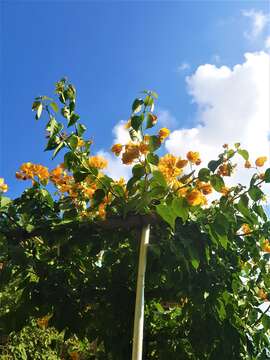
pixel 233 106
pixel 259 21
pixel 184 66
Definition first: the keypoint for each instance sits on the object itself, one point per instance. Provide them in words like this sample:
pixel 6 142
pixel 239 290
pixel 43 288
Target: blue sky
pixel 110 50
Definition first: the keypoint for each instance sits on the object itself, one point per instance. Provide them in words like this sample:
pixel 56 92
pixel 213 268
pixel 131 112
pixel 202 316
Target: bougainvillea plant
pixel 69 256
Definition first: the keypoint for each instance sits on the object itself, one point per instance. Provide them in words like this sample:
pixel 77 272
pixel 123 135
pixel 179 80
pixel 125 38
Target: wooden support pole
pixel 137 346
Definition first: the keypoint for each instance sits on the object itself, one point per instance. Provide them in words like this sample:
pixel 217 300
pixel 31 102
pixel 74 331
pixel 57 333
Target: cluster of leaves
pixel 208 264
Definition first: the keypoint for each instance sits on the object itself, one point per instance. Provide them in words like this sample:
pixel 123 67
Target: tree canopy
pixel 70 242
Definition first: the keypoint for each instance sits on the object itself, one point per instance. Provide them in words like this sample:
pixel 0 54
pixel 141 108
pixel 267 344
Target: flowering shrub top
pixel 208 262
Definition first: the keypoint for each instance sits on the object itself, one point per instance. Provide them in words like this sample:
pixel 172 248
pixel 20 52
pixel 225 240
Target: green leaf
pixel 98 196
pixel 267 175
pixel 54 106
pixel 59 147
pixel 214 164
pixel 255 193
pixel 81 129
pixel 137 105
pixel 138 171
pixel 4 201
pixel 204 174
pixel 266 322
pixel 217 182
pixel 159 308
pixel 243 153
pixel 159 179
pixel 167 214
pixel 154 143
pixel 73 119
pixel 73 141
pixel 180 208
pixel 80 175
pixel 152 158
pixel 148 101
pixel 136 121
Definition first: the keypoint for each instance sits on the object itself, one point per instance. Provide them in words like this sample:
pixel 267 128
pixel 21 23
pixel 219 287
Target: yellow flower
pixel 246 228
pixel 98 162
pixel 116 149
pixel 80 142
pixel 102 211
pixel 168 167
pixel 3 186
pixel 260 161
pixel 195 197
pixel 266 246
pixel 194 157
pixel 163 133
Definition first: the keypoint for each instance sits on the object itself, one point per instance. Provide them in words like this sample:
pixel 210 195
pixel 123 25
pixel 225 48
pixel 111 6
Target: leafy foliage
pixel 69 259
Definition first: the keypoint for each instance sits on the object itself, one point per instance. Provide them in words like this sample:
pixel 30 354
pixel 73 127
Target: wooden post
pixel 137 346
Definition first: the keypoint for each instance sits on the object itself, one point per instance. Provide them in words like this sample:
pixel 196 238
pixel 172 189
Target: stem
pixel 137 349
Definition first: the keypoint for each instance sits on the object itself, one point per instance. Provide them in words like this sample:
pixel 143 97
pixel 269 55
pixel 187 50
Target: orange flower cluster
pixel 224 170
pixel 30 171
pixel 74 355
pixel 131 151
pixel 266 246
pixel 3 186
pixel 205 188
pixel 194 157
pixel 98 162
pixel 171 167
pixel 195 198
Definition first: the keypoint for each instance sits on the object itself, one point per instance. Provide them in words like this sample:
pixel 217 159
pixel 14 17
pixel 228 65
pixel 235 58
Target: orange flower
pixel 168 167
pixel 247 164
pixel 195 198
pixel 116 149
pixel 163 133
pixel 262 294
pixel 98 162
pixel 74 355
pixel 224 170
pixel 43 322
pixel 153 118
pixel 3 186
pixel 246 228
pixel 102 211
pixel 206 188
pixel 181 163
pixel 260 161
pixel 225 190
pixel 144 149
pixel 131 153
pixel 266 246
pixel 193 157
